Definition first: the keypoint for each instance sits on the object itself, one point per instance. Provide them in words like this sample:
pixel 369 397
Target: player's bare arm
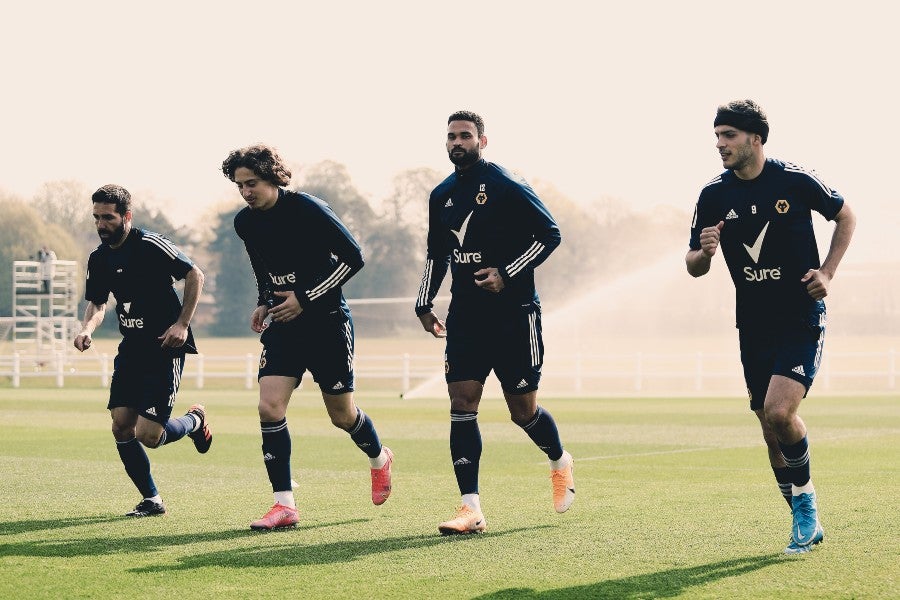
pixel 818 280
pixel 93 316
pixel 489 279
pixel 433 325
pixel 177 333
pixel 699 261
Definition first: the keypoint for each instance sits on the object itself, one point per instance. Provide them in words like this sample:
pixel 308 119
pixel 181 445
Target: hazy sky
pixel 600 99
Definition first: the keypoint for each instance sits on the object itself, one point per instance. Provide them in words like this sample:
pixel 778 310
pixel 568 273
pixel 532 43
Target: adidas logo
pixel 449 203
pixel 151 411
pixel 338 386
pixel 462 461
pixel 731 215
pixel 799 370
pixel 267 457
pixel 522 384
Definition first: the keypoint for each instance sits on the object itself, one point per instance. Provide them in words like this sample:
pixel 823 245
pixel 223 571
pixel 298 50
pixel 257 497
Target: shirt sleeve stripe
pixel 518 264
pixel 163 244
pixel 331 282
pixel 426 283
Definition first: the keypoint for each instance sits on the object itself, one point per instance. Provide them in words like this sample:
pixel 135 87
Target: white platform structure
pixel 44 321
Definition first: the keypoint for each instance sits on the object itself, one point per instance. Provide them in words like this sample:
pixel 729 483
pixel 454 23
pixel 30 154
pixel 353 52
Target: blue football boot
pixel 806 531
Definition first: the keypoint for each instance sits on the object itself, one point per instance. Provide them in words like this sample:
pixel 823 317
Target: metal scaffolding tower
pixel 45 320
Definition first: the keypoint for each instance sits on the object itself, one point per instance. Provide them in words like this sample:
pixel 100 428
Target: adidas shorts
pixel 146 383
pixel 323 346
pixel 512 346
pixel 794 351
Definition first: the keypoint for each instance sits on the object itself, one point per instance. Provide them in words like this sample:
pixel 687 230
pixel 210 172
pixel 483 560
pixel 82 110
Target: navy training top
pixel 768 239
pixel 300 245
pixel 140 273
pixel 482 217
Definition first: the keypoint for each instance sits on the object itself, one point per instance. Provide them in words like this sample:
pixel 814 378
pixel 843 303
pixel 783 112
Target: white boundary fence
pixel 634 373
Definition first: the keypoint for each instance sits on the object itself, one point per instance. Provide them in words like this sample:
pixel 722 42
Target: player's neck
pixel 122 241
pixel 752 169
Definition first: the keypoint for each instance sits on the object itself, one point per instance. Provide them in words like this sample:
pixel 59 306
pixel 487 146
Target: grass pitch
pixel 675 499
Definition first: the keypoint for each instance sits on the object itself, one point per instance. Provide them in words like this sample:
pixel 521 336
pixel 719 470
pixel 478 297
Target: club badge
pixel 481 198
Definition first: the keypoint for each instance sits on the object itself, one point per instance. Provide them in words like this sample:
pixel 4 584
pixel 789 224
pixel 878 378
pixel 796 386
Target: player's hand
pixel 433 325
pixel 709 239
pixel 288 310
pixel 489 279
pixel 817 283
pixel 174 337
pixel 83 341
pixel 258 319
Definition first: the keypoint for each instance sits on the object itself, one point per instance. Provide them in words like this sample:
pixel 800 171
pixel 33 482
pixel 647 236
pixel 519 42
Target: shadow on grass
pixel 295 554
pixel 13 527
pixel 109 544
pixel 662 584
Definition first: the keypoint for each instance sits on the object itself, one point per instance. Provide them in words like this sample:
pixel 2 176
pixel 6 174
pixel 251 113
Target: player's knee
pixel 122 432
pixel 343 421
pixel 520 418
pixel 149 440
pixel 778 417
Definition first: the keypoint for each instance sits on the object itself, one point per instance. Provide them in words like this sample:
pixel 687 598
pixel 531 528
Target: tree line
pixel 602 238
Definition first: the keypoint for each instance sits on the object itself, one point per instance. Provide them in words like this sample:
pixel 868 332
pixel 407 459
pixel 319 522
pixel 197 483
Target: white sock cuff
pixel 808 488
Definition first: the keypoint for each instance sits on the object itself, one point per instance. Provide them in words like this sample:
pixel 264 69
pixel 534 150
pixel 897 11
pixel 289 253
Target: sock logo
pixel 462 461
pixel 268 456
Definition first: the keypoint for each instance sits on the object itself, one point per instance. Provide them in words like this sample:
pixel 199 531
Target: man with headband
pixel 759 212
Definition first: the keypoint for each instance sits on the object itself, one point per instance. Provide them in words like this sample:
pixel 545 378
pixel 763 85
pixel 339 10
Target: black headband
pixel 744 122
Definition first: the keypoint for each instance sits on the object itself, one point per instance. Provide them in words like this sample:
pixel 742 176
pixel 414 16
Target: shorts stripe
pixel 349 337
pixel 176 379
pixel 533 339
pixel 819 345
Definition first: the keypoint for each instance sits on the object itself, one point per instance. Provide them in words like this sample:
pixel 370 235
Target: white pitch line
pixel 830 438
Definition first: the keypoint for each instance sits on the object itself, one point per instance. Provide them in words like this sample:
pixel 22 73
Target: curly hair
pixel 468 115
pixel 113 194
pixel 262 160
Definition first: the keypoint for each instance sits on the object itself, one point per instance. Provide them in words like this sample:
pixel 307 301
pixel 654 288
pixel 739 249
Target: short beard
pixel 466 160
pixel 116 236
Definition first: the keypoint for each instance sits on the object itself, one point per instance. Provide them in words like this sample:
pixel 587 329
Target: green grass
pixel 675 499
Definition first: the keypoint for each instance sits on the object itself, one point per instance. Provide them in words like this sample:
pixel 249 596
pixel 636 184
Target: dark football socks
pixel 543 432
pixel 137 465
pixel 364 435
pixel 465 449
pixel 175 429
pixel 783 477
pixel 276 448
pixel 796 457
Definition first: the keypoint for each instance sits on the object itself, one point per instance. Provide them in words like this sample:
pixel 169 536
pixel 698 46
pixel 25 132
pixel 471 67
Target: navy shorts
pixel 146 383
pixel 323 346
pixel 510 345
pixel 794 350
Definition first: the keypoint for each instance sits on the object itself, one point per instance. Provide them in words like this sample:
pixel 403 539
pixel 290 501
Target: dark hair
pixel 113 194
pixel 468 115
pixel 746 115
pixel 262 160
